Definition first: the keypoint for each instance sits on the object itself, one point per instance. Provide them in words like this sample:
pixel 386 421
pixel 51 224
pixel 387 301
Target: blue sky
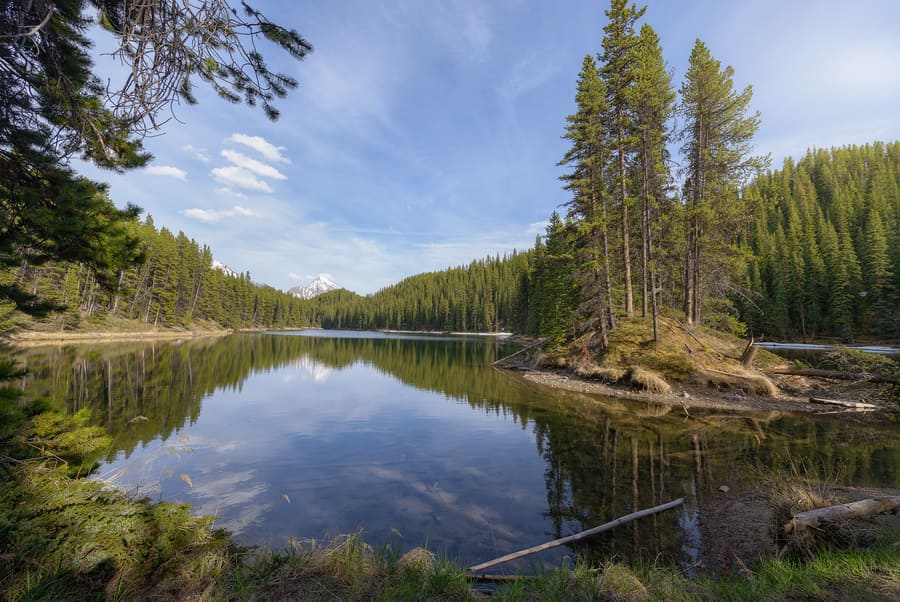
pixel 426 134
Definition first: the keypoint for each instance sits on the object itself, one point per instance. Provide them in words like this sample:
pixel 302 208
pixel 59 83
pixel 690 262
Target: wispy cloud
pixel 166 170
pixel 225 191
pixel 201 154
pixel 250 164
pixel 212 215
pixel 262 146
pixel 240 177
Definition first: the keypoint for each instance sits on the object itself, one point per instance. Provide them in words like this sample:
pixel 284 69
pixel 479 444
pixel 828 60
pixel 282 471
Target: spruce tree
pixel 653 99
pixel 588 159
pixel 717 135
pixel 620 47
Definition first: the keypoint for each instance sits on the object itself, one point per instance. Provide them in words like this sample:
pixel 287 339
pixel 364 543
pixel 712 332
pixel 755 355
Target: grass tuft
pixel 649 380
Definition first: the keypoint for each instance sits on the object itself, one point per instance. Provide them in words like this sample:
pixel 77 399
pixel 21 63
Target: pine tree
pixel 620 46
pixel 588 159
pixel 653 98
pixel 717 148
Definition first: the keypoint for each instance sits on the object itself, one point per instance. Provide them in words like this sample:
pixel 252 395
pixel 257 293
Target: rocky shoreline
pixel 682 395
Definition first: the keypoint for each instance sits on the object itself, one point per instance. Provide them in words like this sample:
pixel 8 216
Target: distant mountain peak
pixel 322 284
pixel 218 265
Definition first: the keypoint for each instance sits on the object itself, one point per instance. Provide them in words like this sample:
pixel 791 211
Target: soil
pixel 794 395
pixel 737 527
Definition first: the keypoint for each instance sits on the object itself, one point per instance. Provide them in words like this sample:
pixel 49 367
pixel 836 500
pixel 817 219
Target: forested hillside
pixel 488 295
pixel 171 283
pixel 826 244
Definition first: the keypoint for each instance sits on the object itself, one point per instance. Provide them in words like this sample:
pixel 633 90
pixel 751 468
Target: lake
pixel 418 440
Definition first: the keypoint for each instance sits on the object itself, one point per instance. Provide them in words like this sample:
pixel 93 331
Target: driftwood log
pixel 578 536
pixel 844 404
pixel 872 378
pixel 813 519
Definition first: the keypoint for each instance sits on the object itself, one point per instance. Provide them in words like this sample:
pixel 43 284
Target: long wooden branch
pixel 532 346
pixel 578 536
pixel 813 519
pixel 872 378
pixel 845 404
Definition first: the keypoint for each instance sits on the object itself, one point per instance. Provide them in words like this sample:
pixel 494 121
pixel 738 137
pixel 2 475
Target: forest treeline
pixel 825 246
pixel 811 250
pixel 488 295
pixel 170 282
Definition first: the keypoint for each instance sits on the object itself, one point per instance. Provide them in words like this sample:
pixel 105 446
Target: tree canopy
pixel 53 106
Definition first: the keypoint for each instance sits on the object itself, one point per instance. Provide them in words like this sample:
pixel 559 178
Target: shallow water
pixel 416 439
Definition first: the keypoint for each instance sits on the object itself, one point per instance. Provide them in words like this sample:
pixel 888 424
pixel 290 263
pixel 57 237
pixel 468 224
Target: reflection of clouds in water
pixel 309 369
pixel 431 503
pixel 233 498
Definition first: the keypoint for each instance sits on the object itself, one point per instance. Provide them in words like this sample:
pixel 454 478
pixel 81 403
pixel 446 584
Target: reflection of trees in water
pixel 603 459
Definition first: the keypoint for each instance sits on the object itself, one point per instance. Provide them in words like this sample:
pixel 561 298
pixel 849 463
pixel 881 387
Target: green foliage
pixel 824 261
pixel 488 295
pixel 173 285
pixel 53 106
pixel 717 147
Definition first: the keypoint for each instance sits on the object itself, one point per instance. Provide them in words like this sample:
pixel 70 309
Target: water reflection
pixel 420 439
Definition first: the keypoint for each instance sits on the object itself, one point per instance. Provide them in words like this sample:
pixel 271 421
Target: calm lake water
pixel 416 439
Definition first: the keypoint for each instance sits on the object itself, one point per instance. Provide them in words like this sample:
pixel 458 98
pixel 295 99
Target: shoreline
pixel 683 396
pixel 32 338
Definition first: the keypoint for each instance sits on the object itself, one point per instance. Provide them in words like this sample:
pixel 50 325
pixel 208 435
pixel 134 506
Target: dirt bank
pixel 688 396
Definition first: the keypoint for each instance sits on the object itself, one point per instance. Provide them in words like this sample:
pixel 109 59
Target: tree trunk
pixel 626 250
pixel 749 354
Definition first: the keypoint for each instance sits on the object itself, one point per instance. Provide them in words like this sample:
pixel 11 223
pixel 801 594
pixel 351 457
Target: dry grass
pixel 649 380
pixel 749 382
pixel 799 488
pixel 698 355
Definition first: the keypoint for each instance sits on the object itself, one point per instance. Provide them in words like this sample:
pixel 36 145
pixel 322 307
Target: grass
pixel 700 355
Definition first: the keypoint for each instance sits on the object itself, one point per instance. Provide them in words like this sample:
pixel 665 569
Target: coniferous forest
pixel 671 209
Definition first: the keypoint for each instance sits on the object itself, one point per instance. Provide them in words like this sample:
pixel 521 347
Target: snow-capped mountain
pixel 218 265
pixel 322 284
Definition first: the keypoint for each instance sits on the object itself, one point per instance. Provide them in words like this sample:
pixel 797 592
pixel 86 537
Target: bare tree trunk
pixel 610 313
pixel 626 250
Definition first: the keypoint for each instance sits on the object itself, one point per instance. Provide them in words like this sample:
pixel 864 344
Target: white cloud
pixel 167 170
pixel 250 164
pixel 240 177
pixel 200 154
pixel 538 227
pixel 225 191
pixel 294 277
pixel 262 146
pixel 212 215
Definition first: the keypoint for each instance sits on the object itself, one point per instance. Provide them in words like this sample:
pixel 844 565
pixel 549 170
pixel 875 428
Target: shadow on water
pixel 419 439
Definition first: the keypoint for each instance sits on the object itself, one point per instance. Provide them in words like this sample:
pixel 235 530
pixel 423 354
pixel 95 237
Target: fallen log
pixel 816 372
pixel 844 404
pixel 523 350
pixel 813 519
pixel 578 536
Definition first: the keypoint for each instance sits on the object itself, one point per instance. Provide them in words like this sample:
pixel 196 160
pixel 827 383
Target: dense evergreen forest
pixel 825 244
pixel 170 282
pixel 488 295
